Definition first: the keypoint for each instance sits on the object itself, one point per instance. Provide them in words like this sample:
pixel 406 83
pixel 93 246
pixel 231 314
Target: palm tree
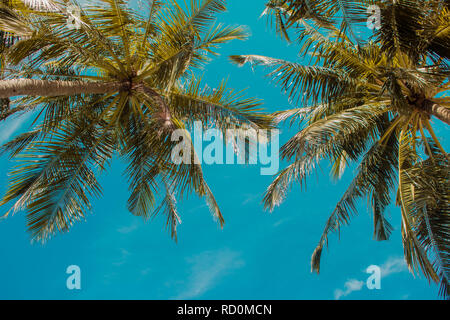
pixel 12 22
pixel 5 42
pixel 372 102
pixel 117 86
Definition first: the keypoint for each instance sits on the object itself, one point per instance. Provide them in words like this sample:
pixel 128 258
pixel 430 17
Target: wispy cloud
pixel 281 221
pixel 350 286
pixel 128 229
pixel 249 198
pixel 10 126
pixel 198 208
pixel 124 254
pixel 393 265
pixel 207 269
pixel 145 271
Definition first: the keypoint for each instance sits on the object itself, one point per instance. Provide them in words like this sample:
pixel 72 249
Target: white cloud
pixel 145 271
pixel 249 198
pixel 124 254
pixel 207 269
pixel 350 286
pixel 10 126
pixel 393 265
pixel 128 229
pixel 282 221
pixel 198 208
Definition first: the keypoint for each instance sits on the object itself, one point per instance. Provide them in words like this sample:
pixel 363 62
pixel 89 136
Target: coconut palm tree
pixel 376 103
pixel 5 41
pixel 11 21
pixel 119 84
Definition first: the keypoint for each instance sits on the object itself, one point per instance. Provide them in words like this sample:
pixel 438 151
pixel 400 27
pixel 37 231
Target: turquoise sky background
pixel 256 256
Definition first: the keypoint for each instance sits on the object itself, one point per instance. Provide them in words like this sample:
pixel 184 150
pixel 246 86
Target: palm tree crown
pixel 120 84
pixel 371 101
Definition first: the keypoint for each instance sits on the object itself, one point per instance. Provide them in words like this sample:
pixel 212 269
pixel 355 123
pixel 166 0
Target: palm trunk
pixel 440 112
pixel 53 88
pixel 164 115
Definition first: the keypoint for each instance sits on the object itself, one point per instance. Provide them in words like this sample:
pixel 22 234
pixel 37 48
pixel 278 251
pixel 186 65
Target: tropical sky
pixel 258 255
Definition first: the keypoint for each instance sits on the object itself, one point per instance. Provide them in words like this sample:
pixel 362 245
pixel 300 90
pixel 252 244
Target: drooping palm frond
pixel 316 81
pixel 369 102
pixel 376 179
pixel 150 60
pixel 55 179
pixel 423 197
pixel 168 206
pixel 325 139
pixel 219 107
pixel 12 22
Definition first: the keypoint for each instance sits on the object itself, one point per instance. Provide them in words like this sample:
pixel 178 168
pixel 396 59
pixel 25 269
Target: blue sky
pixel 257 255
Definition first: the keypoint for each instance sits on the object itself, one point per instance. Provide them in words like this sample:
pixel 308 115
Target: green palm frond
pixel 376 179
pixel 369 102
pixel 11 21
pixel 220 107
pixel 146 65
pixel 168 207
pixel 316 82
pixel 55 179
